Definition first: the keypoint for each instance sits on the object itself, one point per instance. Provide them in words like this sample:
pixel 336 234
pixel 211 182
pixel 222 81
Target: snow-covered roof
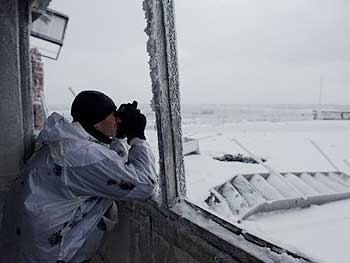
pixel 319 232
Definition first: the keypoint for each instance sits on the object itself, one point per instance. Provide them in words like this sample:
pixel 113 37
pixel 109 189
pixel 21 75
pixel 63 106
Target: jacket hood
pixel 57 128
pixel 70 144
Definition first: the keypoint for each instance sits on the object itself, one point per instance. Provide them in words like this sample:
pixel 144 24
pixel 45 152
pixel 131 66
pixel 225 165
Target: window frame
pixel 161 46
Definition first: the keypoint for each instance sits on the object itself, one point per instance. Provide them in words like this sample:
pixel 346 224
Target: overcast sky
pixel 230 51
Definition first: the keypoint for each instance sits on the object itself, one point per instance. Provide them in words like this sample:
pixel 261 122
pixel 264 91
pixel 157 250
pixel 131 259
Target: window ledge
pixel 230 236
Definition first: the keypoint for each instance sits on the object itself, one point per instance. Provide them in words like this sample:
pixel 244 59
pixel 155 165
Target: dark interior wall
pixel 11 125
pixel 26 77
pixel 15 86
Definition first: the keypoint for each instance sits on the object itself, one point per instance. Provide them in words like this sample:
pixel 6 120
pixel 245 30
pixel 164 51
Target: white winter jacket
pixel 55 210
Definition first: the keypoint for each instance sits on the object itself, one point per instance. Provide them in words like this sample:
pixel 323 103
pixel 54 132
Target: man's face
pixel 109 125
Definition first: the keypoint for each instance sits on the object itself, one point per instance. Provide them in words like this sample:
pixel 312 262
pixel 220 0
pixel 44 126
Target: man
pixel 60 206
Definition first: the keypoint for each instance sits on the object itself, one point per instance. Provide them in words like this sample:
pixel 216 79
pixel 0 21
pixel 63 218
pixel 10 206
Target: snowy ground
pixel 319 232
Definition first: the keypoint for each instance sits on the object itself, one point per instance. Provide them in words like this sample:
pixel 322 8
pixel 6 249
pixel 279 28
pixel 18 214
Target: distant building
pixel 331 115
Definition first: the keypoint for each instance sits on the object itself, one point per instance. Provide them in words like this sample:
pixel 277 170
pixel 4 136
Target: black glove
pixel 133 122
pixel 136 126
pixel 123 113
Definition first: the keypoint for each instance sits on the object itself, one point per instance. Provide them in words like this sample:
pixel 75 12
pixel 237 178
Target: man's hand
pixel 136 126
pixel 133 122
pixel 122 114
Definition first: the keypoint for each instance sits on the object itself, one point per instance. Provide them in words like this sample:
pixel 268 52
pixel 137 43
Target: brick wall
pixel 39 108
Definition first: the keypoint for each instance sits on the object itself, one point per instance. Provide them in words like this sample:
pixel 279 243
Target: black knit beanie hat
pixel 89 108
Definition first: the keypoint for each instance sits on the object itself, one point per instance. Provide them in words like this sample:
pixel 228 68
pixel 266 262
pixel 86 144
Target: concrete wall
pixel 11 125
pixel 24 13
pixel 146 233
pixel 15 85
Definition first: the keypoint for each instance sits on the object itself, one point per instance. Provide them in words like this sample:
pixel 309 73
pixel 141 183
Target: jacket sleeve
pixel 141 158
pixel 116 177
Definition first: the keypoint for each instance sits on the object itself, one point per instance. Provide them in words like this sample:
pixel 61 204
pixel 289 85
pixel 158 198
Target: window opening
pixel 259 132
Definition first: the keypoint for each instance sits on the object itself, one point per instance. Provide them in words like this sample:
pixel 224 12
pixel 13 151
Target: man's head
pixel 95 112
